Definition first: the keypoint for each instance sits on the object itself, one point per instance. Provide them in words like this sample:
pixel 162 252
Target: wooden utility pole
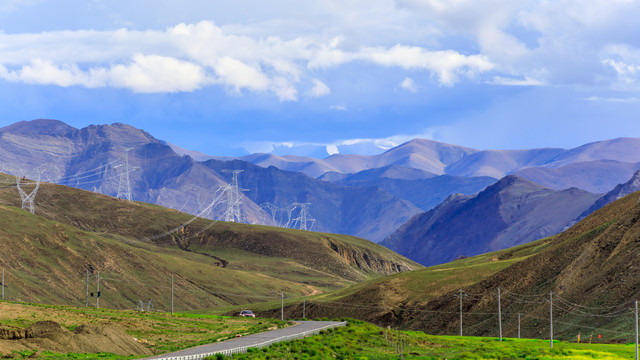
pixel 518 325
pixel 171 294
pixel 86 296
pixel 551 319
pixel 499 315
pixel 98 292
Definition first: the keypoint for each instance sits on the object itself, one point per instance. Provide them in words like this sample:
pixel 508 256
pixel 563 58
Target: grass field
pixel 360 340
pixel 160 332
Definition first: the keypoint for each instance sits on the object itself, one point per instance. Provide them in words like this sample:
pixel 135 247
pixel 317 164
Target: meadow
pixel 364 341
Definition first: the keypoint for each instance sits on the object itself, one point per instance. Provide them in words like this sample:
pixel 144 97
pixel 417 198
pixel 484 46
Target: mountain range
pixel 596 167
pixel 370 196
pixel 510 212
pixel 92 158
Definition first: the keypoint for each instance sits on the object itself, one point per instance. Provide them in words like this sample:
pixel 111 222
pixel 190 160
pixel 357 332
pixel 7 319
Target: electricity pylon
pixel 28 199
pixel 233 192
pixel 303 218
pixel 124 186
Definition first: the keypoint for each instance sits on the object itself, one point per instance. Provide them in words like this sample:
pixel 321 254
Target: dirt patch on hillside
pixel 50 336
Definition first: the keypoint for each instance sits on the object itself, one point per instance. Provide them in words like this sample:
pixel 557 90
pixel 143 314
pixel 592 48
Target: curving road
pixel 301 329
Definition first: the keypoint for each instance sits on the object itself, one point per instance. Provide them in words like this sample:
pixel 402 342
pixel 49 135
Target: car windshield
pixel 246 312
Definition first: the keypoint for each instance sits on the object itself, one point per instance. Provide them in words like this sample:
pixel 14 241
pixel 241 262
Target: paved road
pixel 252 340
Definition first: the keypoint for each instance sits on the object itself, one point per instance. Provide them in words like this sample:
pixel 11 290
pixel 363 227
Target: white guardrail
pixel 243 349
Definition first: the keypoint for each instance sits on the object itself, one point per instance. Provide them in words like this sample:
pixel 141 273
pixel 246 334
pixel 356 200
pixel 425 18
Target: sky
pixel 342 75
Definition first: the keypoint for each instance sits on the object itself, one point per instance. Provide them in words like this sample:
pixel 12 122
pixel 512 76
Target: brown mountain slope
pixel 592 269
pixel 137 246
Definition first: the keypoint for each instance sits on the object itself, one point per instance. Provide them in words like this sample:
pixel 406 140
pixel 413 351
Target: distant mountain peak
pixel 39 126
pixel 511 181
pixel 618 192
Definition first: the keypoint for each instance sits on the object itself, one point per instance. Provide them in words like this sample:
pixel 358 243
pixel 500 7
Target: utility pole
pixel 460 296
pixel 304 308
pixel 171 294
pixel 551 319
pixel 518 325
pixel 636 329
pixel 282 306
pixel 499 315
pixel 98 292
pixel 2 284
pixel 86 297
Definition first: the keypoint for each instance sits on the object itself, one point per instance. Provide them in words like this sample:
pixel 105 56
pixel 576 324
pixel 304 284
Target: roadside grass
pixel 159 331
pixel 360 340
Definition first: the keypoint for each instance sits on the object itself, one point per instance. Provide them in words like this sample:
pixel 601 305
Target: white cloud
pixel 319 89
pixel 339 107
pixel 332 150
pixel 408 85
pixel 630 100
pixel 239 75
pixel 527 81
pixel 153 73
pixel 446 65
pixel 144 74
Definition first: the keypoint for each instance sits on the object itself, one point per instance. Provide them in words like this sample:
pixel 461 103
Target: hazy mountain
pixel 618 192
pixel 595 167
pixel 423 189
pixel 598 176
pixel 499 163
pixel 427 155
pixel 386 172
pixel 364 211
pixel 510 212
pixel 620 149
pixel 91 159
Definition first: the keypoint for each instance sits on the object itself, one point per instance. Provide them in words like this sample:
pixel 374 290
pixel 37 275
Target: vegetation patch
pixel 360 340
pixel 156 331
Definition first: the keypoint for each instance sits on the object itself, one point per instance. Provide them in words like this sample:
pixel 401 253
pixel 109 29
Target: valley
pixel 475 232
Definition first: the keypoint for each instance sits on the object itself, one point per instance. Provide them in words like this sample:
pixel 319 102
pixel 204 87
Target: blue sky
pixel 214 76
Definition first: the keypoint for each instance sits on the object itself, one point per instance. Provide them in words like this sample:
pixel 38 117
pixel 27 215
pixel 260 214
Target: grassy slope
pixel 365 341
pixel 215 263
pixel 378 300
pixel 160 332
pixel 592 269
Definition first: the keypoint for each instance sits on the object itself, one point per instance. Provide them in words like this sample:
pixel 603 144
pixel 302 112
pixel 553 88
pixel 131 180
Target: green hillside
pixel 136 247
pixel 593 270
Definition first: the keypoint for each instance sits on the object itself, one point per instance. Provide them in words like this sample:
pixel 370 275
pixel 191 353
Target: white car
pixel 246 313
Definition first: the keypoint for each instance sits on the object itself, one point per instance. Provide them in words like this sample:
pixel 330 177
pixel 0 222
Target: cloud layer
pixel 291 52
pixel 188 57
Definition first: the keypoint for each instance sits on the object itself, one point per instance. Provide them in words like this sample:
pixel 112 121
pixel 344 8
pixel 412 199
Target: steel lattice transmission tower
pixel 233 192
pixel 28 199
pixel 124 186
pixel 303 218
